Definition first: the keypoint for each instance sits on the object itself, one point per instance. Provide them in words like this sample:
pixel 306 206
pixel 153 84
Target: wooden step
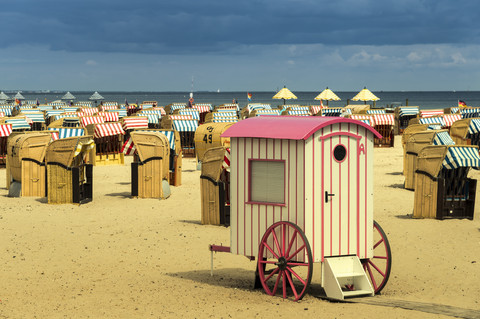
pixel 342 272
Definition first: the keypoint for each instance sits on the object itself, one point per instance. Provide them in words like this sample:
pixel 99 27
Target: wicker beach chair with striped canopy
pixel 70 178
pixel 442 188
pixel 25 163
pixel 450 119
pixel 470 112
pixel 19 123
pixel 5 131
pixel 175 161
pixel 221 116
pixel 263 112
pixel 384 124
pixel 403 114
pixel 150 165
pixel 245 112
pixel 414 145
pixel 466 131
pixel 108 138
pixel 331 111
pixel 36 117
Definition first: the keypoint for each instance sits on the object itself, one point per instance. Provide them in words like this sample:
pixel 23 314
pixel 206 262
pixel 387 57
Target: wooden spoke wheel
pixel 378 267
pixel 285 262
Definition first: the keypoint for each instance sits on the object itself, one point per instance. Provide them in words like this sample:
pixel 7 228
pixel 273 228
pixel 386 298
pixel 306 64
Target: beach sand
pixel 122 257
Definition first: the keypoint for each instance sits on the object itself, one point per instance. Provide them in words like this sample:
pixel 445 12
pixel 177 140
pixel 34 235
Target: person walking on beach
pixel 190 102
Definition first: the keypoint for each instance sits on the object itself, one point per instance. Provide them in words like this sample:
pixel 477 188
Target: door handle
pixel 327 195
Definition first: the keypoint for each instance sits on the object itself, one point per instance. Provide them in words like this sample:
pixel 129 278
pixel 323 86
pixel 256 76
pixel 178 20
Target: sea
pixel 422 99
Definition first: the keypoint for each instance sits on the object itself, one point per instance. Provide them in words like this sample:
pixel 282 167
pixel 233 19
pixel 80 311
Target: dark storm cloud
pixel 186 26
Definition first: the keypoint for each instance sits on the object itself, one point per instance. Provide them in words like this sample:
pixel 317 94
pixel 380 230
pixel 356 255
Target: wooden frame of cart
pixel 302 192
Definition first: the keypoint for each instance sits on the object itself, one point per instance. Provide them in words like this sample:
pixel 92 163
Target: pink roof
pixel 287 127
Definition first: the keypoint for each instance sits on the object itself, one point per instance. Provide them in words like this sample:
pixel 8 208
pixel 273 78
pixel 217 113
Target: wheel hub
pixel 282 263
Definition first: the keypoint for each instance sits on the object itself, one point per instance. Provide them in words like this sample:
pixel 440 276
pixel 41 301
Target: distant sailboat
pixel 218 90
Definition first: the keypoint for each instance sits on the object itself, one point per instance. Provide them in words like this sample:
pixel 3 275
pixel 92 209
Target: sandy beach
pixel 123 257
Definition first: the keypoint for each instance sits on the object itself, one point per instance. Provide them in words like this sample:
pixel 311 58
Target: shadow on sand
pixel 406 216
pixel 123 194
pixel 235 278
pixel 395 173
pixel 401 186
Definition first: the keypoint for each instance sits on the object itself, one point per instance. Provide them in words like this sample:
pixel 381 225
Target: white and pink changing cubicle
pixel 302 192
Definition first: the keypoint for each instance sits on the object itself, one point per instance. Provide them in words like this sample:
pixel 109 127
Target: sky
pixel 249 45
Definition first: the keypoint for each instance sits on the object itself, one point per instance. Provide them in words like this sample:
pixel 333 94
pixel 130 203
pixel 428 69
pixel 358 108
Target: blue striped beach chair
pixel 443 189
pixel 187 129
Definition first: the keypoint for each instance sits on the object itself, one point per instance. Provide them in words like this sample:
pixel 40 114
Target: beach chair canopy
pixel 229 113
pixel 432 120
pixel 256 106
pixel 133 122
pixel 367 119
pixel 430 113
pixel 108 129
pixel 86 120
pixel 225 120
pixel 176 106
pixel 464 127
pixel 376 111
pixel 64 132
pixel 185 125
pixel 451 118
pixel 18 123
pixel 442 138
pixel 384 119
pixel 408 110
pixel 474 126
pixel 194 113
pixel 332 111
pixel 299 112
pixel 203 108
pixel 35 117
pixel 432 159
pixel 109 116
pixel 470 112
pixel 6 110
pixel 121 112
pixel 227 107
pixel 266 112
pixel 5 130
pixel 152 118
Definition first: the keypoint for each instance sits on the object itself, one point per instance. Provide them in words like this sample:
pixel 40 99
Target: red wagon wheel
pixel 378 267
pixel 285 261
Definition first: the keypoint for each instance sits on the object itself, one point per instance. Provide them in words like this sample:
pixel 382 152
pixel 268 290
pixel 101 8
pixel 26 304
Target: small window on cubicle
pixel 267 182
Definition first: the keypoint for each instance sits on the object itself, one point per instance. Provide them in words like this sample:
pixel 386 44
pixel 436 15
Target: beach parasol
pixel 95 97
pixel 365 95
pixel 19 96
pixel 4 97
pixel 284 94
pixel 69 97
pixel 327 95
